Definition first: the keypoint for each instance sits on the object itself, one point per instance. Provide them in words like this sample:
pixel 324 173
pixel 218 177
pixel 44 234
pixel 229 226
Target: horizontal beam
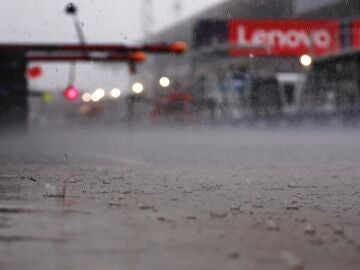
pixel 46 58
pixel 177 48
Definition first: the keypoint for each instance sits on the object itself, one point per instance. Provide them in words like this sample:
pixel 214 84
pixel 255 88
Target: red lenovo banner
pixel 283 37
pixel 356 34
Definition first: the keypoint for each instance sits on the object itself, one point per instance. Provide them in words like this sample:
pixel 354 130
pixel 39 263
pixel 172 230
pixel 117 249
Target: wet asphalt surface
pixel 180 198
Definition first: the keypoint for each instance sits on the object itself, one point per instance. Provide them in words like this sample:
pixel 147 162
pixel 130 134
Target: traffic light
pixel 71 93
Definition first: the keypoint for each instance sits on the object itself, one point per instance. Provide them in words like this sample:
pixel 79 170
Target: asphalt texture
pixel 180 198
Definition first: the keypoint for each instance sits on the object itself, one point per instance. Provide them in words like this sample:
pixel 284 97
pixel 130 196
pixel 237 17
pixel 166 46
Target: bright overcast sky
pixel 103 21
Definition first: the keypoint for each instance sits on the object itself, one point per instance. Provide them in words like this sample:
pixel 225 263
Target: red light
pixel 34 72
pixel 71 93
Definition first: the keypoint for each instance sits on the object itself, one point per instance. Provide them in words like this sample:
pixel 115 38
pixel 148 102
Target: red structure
pixel 91 52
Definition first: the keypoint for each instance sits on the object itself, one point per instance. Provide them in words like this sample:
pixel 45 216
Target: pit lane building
pixel 227 39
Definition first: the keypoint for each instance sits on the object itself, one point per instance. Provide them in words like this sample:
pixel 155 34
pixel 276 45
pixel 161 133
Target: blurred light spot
pixel 138 88
pixel 179 47
pixel 164 82
pixel 305 60
pixel 138 56
pixel 100 92
pixel 115 93
pixel 34 72
pixel 94 97
pixel 71 93
pixel 86 97
pixel 97 95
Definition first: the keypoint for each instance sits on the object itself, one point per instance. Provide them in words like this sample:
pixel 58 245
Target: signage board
pixel 356 34
pixel 283 37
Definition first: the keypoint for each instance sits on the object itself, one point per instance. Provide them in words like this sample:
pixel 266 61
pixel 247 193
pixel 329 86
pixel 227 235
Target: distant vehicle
pixel 174 107
pixel 90 110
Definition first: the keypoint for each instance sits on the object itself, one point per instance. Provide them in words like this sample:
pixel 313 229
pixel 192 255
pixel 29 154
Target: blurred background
pixel 241 62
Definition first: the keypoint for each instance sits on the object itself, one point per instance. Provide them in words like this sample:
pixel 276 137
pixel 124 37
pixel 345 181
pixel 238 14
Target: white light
pixel 306 60
pixel 115 93
pixel 97 95
pixel 164 82
pixel 94 97
pixel 86 97
pixel 100 93
pixel 137 88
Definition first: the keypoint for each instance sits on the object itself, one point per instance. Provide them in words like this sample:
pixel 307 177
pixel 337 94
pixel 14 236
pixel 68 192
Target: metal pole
pixel 79 30
pixel 71 9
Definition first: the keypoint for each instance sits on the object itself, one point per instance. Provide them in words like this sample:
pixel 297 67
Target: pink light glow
pixel 71 93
